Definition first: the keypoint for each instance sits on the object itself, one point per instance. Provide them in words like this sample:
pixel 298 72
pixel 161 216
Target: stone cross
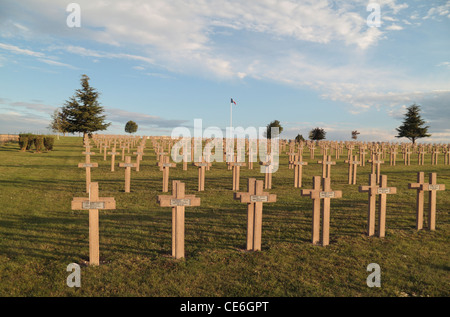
pixel 352 167
pixel 362 155
pixel 202 167
pixel 164 166
pixel 267 174
pixel 123 147
pixel 128 165
pixel 392 156
pixel 373 189
pixel 376 166
pixel 291 157
pixel 311 147
pixel 93 203
pixel 178 201
pixel 316 194
pixel 434 156
pixel 88 165
pixel 298 164
pixel 254 198
pixel 326 166
pixel 421 156
pixel 446 152
pixel 407 156
pixel 431 187
pixel 139 153
pixel 105 150
pixel 236 167
pixel 113 154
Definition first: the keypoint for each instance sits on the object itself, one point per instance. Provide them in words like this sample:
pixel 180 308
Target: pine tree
pixel 412 127
pixel 83 111
pixel 59 123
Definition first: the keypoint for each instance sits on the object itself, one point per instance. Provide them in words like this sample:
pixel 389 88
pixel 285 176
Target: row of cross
pixel 255 197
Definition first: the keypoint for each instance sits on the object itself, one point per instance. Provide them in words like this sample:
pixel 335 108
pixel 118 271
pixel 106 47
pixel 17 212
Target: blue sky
pixel 165 63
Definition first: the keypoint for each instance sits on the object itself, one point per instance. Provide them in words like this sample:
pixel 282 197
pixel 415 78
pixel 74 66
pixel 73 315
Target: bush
pixel 48 142
pixel 31 138
pixel 23 142
pixel 26 140
pixel 39 143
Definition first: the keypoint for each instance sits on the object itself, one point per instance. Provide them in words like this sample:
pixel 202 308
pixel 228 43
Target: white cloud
pixel 439 11
pixel 394 27
pixel 21 51
pixel 55 63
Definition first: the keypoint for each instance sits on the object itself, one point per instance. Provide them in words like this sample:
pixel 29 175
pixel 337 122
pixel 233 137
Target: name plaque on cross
pixel 433 187
pixel 202 164
pixel 87 165
pixel 93 205
pixel 88 153
pixel 167 165
pixel 128 165
pixel 383 190
pixel 258 198
pixel 180 202
pixel 326 194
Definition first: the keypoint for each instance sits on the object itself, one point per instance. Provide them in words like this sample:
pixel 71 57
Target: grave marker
pixel 254 198
pixel 352 167
pixel 128 165
pixel 93 203
pixel 202 166
pixel 113 158
pixel 139 153
pixel 178 201
pixel 88 165
pixel 326 166
pixel 267 174
pixel 164 166
pixel 316 194
pixel 373 190
pixel 376 166
pixel 421 187
pixel 298 170
pixel 236 167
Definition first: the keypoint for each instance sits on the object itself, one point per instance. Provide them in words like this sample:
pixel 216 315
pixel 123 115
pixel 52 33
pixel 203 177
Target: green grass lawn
pixel 40 235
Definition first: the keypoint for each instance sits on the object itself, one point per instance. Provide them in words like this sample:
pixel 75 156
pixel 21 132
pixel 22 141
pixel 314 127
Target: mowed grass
pixel 40 235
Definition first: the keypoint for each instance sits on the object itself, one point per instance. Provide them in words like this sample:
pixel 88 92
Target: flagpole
pixel 231 115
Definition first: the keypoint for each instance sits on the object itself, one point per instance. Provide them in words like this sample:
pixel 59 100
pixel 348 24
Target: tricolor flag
pixel 232 101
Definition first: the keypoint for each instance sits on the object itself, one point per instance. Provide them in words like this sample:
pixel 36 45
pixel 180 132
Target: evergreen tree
pixel 59 123
pixel 83 111
pixel 273 124
pixel 317 134
pixel 412 127
pixel 131 127
pixel 299 138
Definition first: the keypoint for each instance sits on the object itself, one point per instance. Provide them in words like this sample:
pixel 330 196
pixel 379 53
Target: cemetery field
pixel 40 235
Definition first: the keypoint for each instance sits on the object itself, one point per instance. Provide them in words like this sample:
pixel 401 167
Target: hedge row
pixel 40 142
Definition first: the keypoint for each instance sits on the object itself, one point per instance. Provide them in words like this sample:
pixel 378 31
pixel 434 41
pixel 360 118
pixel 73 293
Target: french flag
pixel 232 101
